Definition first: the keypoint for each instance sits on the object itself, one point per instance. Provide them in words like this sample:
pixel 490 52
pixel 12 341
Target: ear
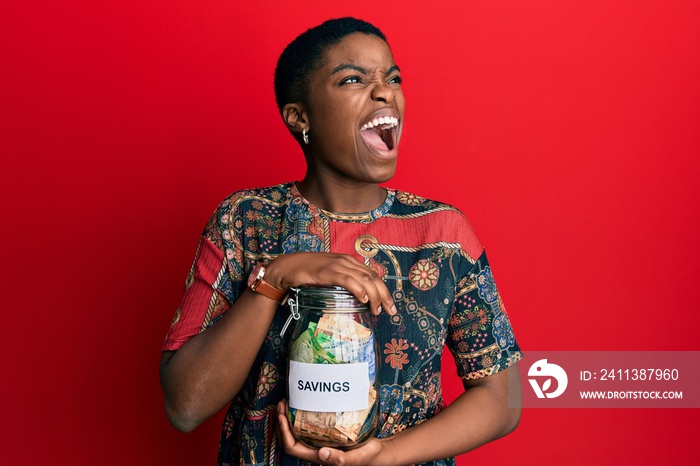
pixel 295 117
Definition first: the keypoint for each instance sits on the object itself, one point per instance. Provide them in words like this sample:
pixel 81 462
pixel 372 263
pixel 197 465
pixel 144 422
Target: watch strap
pixel 265 289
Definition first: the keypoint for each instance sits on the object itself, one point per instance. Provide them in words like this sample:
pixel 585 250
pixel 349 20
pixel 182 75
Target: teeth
pixel 381 122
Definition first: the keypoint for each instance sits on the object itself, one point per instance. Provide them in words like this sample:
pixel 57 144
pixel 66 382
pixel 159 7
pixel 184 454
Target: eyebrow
pixel 348 66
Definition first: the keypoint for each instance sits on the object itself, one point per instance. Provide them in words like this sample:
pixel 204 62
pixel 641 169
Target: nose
pixel 383 93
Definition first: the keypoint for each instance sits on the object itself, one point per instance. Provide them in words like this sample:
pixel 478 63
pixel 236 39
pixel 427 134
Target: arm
pixel 209 369
pixel 481 414
pixel 204 375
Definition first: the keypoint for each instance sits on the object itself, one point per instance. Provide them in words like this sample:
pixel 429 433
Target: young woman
pixel 416 262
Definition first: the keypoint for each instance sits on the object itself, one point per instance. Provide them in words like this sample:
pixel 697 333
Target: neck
pixel 341 196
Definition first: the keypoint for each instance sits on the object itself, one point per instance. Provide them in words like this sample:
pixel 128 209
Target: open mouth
pixel 380 133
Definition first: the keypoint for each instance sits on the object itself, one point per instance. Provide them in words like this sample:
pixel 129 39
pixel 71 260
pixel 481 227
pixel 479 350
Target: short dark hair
pixel 303 54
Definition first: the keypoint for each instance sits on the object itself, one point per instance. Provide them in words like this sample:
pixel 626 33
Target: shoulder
pixel 444 219
pixel 255 198
pixel 246 205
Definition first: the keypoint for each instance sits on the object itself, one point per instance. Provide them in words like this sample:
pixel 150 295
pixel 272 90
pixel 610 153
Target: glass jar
pixel 333 390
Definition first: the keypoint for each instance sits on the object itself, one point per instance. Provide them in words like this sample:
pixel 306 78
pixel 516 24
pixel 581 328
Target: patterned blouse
pixel 431 261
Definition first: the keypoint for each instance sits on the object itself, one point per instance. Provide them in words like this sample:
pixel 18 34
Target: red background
pixel 567 131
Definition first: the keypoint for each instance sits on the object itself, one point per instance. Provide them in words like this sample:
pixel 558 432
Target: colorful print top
pixel 431 261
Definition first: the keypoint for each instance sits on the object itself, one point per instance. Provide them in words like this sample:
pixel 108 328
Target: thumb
pixel 324 453
pixel 332 456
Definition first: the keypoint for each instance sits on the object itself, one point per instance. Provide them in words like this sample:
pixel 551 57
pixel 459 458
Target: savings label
pixel 328 387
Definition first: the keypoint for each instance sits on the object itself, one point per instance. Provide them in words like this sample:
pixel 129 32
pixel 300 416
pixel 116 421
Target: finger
pixel 310 268
pixel 377 291
pixel 372 286
pixel 289 443
pixel 356 282
pixel 364 454
pixel 283 424
pixel 387 299
pixel 330 456
pixel 329 269
pixel 366 289
pixel 346 271
pixel 379 295
pixel 288 440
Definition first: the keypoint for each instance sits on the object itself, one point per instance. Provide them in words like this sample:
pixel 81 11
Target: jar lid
pixel 328 298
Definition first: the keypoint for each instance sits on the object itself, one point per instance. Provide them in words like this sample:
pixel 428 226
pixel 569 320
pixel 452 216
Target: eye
pixel 395 80
pixel 351 80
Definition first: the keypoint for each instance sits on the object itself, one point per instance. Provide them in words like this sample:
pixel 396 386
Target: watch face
pixel 257 283
pixel 257 273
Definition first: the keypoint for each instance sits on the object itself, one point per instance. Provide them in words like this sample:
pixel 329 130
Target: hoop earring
pixel 305 136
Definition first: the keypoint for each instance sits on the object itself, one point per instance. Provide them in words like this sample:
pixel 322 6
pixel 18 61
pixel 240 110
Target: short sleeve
pixel 213 283
pixel 480 335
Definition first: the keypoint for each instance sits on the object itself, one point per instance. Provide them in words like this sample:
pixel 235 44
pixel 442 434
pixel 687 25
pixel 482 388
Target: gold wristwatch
pixel 257 284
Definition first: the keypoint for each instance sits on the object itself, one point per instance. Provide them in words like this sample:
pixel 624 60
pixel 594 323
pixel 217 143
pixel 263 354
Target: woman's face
pixel 355 111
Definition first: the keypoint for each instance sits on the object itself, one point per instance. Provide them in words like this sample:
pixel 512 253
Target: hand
pixel 367 454
pixel 324 268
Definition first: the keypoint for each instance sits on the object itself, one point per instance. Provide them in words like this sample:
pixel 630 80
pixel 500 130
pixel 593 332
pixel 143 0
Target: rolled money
pixel 341 327
pixel 319 426
pixel 329 435
pixel 318 419
pixel 350 422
